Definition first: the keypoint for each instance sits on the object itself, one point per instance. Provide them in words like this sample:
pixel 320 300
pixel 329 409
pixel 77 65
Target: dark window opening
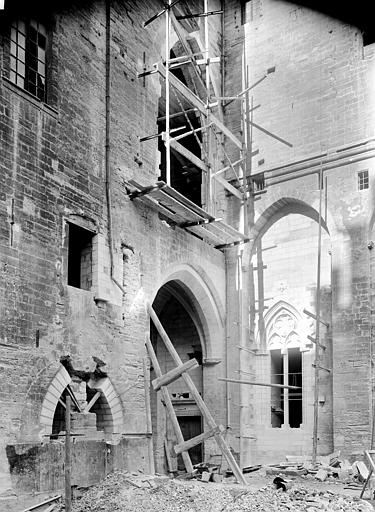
pixel 259 182
pixel 295 379
pixel 186 178
pixel 363 180
pixel 28 51
pixel 58 424
pixel 80 257
pixel 286 406
pixel 277 377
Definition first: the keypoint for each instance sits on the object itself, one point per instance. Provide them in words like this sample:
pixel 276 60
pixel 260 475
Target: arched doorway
pixel 178 315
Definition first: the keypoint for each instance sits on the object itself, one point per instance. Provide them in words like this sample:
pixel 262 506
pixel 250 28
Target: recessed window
pixel 28 45
pixel 286 405
pixel 363 180
pixel 259 182
pixel 80 257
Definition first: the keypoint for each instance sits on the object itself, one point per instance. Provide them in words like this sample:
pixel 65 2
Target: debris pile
pixel 327 467
pixel 135 492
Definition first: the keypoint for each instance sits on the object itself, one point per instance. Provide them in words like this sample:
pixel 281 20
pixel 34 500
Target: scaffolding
pixel 224 161
pixel 213 136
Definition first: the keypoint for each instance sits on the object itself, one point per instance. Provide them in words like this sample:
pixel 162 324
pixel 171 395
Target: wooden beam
pixel 313 340
pixel 190 443
pixel 183 40
pixel 197 102
pixel 92 401
pixel 169 406
pixel 174 374
pixel 169 457
pixel 233 190
pixel 187 154
pixel 267 132
pixel 328 370
pixel 252 383
pixel 197 397
pixel 68 457
pixel 39 505
pixel 312 315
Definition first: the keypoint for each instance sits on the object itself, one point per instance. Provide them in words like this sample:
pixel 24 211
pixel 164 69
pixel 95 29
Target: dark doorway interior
pixel 191 426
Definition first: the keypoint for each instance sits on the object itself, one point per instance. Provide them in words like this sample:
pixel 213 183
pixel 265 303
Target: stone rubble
pixel 136 492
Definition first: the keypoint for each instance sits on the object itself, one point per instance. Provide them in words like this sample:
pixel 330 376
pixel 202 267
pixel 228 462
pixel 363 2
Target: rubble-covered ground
pixel 136 492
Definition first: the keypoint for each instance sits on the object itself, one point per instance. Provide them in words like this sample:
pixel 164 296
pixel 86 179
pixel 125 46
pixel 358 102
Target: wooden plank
pixel 197 397
pixel 313 340
pixel 312 315
pixel 227 232
pixel 228 186
pixel 179 31
pixel 174 374
pixel 152 202
pixel 168 455
pixel 205 234
pixel 230 229
pixel 182 212
pixel 253 383
pixel 155 205
pixel 190 443
pixel 183 200
pixel 169 406
pixel 146 374
pixel 187 154
pixel 92 401
pixel 197 102
pixel 38 505
pixel 267 132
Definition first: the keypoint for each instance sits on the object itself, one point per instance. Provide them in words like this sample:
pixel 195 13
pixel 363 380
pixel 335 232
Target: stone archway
pixel 281 208
pixel 107 406
pixel 188 312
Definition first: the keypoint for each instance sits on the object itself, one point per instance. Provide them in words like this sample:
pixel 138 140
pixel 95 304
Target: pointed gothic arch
pixel 107 407
pixel 284 327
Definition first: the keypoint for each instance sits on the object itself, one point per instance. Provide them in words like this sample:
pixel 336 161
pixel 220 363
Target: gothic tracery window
pixel 285 345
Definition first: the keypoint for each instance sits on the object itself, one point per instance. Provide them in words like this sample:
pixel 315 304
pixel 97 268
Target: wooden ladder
pixel 180 371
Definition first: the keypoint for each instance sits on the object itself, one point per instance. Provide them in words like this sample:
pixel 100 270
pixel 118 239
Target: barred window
pixel 28 42
pixel 363 180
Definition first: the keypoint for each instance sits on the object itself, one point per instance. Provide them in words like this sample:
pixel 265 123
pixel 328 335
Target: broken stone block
pixel 206 476
pixel 362 470
pixel 321 475
pixel 216 477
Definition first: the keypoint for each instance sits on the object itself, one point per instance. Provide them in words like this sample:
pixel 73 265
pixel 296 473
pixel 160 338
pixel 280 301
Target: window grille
pixel 363 180
pixel 28 43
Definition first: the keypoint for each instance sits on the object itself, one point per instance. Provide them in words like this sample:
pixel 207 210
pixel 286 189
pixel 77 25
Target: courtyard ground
pixel 136 492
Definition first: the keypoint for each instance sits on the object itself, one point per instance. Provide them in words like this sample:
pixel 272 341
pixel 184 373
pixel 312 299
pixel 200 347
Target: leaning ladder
pixel 180 371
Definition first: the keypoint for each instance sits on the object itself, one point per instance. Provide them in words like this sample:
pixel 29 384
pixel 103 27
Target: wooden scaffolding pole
pixel 197 397
pixel 317 327
pixel 169 406
pixel 68 457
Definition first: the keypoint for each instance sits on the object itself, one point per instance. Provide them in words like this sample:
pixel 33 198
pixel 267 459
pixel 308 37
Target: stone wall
pixel 318 99
pixel 53 173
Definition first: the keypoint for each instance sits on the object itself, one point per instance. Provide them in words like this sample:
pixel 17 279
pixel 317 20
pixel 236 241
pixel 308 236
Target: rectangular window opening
pixel 80 257
pixel 277 400
pixel 286 405
pixel 259 182
pixel 28 46
pixel 295 379
pixel 363 180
